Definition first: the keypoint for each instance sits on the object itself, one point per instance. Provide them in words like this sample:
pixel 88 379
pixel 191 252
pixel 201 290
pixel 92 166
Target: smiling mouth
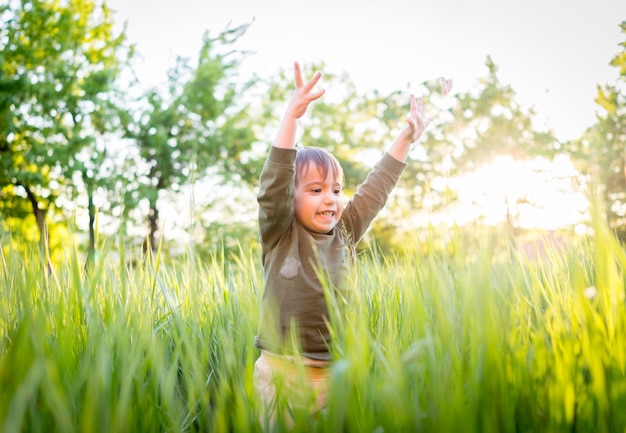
pixel 327 213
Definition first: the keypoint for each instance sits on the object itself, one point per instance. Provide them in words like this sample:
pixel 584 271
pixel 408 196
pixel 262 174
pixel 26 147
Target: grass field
pixel 469 341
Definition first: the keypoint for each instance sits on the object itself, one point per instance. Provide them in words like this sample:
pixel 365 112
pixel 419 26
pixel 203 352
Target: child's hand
pixel 446 85
pixel 303 95
pixel 416 120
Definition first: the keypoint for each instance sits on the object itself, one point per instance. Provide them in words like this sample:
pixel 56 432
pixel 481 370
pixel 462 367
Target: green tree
pixel 199 126
pixel 601 152
pixel 487 122
pixel 58 63
pixel 495 124
pixel 470 129
pixel 492 123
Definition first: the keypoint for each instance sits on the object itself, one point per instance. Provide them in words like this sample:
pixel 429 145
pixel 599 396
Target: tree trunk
pixel 153 226
pixel 40 217
pixel 92 231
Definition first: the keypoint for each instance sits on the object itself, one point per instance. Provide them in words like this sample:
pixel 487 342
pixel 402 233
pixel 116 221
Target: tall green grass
pixel 471 341
pixel 149 348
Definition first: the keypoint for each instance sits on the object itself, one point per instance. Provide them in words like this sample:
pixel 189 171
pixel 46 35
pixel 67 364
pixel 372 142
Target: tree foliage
pixel 601 152
pixel 58 63
pixel 197 126
pixel 69 134
pixel 470 129
pixel 490 122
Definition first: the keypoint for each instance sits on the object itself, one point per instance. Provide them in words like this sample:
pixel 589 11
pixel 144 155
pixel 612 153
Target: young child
pixel 305 229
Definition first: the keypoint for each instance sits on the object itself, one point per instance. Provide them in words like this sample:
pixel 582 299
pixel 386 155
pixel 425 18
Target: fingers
pixel 417 119
pixel 417 106
pixel 446 85
pixel 418 110
pixel 412 121
pixel 297 74
pixel 298 77
pixel 304 90
pixel 317 94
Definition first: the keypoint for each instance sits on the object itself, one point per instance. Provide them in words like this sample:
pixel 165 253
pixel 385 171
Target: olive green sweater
pixel 293 256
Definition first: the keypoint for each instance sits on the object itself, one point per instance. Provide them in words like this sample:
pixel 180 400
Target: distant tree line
pixel 78 137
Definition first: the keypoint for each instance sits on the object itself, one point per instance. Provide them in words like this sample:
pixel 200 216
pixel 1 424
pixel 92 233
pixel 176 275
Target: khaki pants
pixel 288 387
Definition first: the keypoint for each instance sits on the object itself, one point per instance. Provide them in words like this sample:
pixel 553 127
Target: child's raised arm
pixel 298 105
pixel 416 124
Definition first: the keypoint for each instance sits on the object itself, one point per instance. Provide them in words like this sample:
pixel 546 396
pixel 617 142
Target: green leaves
pixel 59 63
pixel 601 153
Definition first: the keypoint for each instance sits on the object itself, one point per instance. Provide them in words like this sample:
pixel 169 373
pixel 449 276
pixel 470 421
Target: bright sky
pixel 552 52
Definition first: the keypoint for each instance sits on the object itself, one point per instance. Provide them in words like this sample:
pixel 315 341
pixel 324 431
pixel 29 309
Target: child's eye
pixel 337 191
pixel 317 190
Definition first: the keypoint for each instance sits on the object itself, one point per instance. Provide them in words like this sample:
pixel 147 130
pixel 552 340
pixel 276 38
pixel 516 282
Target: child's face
pixel 318 201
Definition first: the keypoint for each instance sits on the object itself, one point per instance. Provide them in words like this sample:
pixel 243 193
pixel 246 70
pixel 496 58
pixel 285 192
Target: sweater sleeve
pixel 371 196
pixel 276 195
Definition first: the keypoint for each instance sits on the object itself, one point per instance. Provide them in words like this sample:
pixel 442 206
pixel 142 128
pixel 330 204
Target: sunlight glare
pixel 538 193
